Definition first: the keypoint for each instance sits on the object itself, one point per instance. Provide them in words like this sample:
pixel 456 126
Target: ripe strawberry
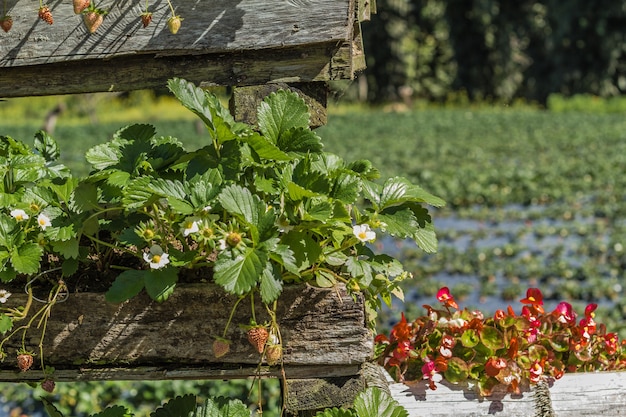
pixel 6 23
pixel 173 23
pixel 146 18
pixel 46 15
pixel 257 336
pixel 221 347
pixel 24 361
pixel 80 5
pixel 48 385
pixel 273 354
pixel 93 19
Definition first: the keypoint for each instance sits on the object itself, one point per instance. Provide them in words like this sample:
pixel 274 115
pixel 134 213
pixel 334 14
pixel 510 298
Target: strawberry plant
pixel 372 402
pixel 257 208
pixel 509 349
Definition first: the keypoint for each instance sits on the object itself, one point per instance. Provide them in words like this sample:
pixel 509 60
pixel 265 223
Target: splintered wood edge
pixel 319 327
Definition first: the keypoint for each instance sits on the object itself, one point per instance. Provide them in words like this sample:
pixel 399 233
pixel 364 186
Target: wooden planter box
pixel 323 330
pixel 324 333
pixel 221 42
pixel 574 395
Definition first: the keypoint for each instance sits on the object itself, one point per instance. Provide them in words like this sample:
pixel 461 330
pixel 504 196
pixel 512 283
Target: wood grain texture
pixel 208 27
pixel 286 65
pixel 574 395
pixel 87 337
pixel 221 42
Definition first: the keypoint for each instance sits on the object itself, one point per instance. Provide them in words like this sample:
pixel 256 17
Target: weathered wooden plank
pixel 87 335
pixel 289 65
pixel 176 372
pixel 208 27
pixel 574 395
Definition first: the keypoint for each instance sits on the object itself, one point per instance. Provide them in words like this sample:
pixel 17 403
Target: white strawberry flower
pixel 156 257
pixel 191 225
pixel 4 296
pixel 19 215
pixel 364 233
pixel 43 221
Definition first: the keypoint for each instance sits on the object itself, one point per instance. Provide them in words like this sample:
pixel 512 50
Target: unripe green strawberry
pixel 221 347
pixel 46 15
pixel 273 354
pixel 173 23
pixel 257 336
pixel 6 23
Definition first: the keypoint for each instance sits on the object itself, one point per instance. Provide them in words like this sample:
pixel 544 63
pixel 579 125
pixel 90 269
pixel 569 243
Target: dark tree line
pixel 496 49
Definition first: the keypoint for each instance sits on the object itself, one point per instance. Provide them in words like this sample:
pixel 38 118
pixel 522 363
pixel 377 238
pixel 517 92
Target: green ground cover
pixel 535 197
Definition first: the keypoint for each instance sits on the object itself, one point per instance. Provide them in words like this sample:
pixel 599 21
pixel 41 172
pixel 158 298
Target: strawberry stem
pixel 232 313
pixel 252 307
pixel 146 6
pixel 171 8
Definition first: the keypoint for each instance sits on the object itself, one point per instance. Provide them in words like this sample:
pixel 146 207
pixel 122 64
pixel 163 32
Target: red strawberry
pixel 6 23
pixel 46 15
pixel 24 361
pixel 221 347
pixel 93 19
pixel 173 23
pixel 258 336
pixel 273 354
pixel 80 5
pixel 146 18
pixel 48 385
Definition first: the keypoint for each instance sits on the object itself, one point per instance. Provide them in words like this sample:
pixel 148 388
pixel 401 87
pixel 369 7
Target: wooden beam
pixel 216 26
pixel 287 65
pixel 86 337
pixel 574 395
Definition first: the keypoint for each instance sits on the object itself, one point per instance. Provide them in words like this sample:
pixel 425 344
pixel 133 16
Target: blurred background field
pixel 536 197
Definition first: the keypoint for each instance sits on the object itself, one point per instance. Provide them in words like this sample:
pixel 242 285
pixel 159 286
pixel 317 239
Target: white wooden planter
pixel 574 395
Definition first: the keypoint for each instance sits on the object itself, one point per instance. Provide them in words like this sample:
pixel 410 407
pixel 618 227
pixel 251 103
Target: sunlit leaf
pixel 240 274
pixel 281 111
pixel 374 402
pixel 25 259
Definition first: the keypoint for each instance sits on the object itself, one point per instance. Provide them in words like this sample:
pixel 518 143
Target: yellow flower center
pixel 156 259
pixel 362 235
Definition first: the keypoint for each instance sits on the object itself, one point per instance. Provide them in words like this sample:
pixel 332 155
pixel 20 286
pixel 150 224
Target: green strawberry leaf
pixel 179 406
pixel 306 250
pixel 6 323
pixel 240 274
pixel 374 402
pixel 26 258
pixel 114 411
pixel 221 407
pixel 67 248
pixel 280 112
pixel 300 140
pixel 241 202
pixel 271 284
pixel 193 98
pixel 127 285
pixel 46 146
pixel 160 283
pixel 266 149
